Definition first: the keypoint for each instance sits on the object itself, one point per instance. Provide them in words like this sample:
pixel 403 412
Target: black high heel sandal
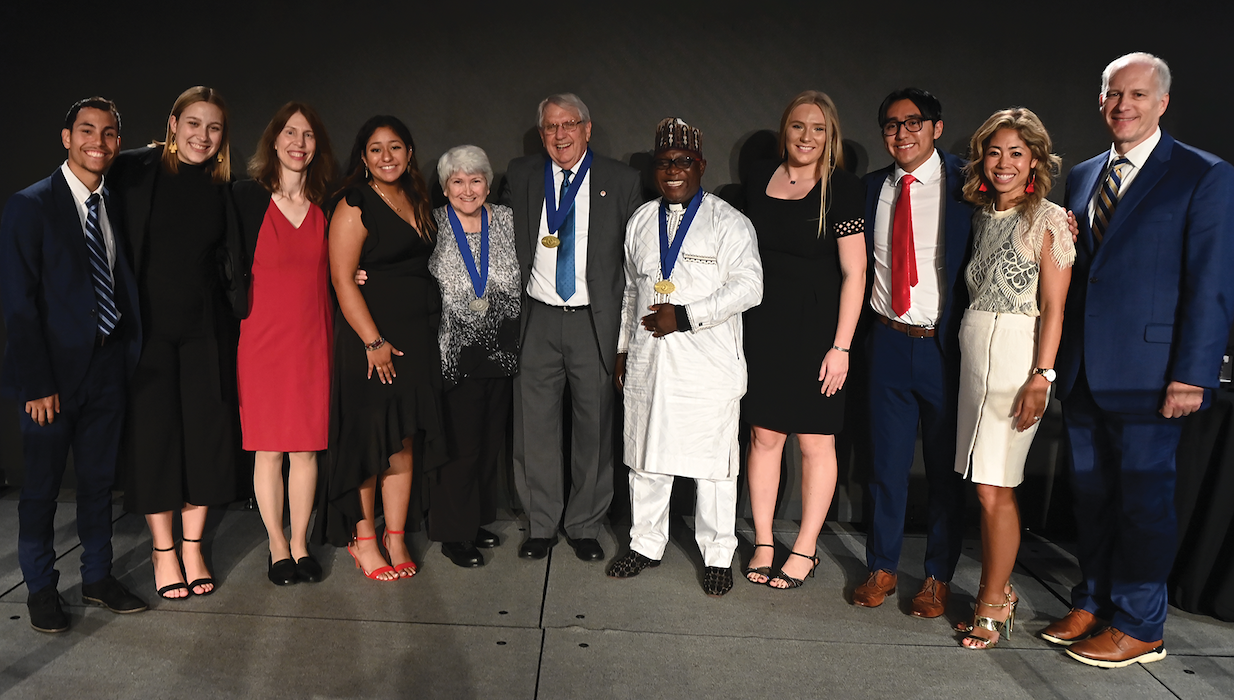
pixel 795 582
pixel 177 586
pixel 764 571
pixel 207 581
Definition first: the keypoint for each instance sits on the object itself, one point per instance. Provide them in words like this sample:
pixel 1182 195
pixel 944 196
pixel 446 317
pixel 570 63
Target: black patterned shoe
pixel 717 580
pixel 632 564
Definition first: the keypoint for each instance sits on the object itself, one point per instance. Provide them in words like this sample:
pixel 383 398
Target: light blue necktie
pixel 100 270
pixel 565 252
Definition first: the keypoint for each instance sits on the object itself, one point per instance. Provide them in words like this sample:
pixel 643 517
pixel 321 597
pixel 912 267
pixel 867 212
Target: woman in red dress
pixel 283 369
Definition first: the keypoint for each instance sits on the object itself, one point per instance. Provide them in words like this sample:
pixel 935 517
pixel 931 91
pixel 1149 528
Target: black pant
pixel 461 490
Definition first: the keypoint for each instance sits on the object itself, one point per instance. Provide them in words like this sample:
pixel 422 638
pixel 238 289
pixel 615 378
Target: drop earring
pixel 171 147
pixel 1029 189
pixel 983 188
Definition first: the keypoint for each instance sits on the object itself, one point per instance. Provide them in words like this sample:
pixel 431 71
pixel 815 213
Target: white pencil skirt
pixel 997 355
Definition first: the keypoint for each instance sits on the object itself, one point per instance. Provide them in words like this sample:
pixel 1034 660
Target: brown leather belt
pixel 910 331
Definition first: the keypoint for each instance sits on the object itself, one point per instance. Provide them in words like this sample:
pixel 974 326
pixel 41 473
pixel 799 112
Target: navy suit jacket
pixel 1154 302
pixel 616 191
pixel 957 247
pixel 50 310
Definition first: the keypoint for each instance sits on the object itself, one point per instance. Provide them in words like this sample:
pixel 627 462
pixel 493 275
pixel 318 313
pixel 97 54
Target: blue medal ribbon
pixel 556 212
pixel 479 278
pixel 669 253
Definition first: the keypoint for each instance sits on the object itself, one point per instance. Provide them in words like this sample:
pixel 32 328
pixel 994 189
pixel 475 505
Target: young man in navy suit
pixel 70 310
pixel 920 234
pixel 1148 316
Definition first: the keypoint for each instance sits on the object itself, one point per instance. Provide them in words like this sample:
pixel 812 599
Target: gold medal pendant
pixel 550 241
pixel 665 287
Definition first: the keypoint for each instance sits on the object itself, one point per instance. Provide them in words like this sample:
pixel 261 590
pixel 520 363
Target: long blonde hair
pixel 833 151
pixel 220 167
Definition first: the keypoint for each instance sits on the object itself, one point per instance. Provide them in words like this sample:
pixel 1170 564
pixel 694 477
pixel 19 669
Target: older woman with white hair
pixel 475 266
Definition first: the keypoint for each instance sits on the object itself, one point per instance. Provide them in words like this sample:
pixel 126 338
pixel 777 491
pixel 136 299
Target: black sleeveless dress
pixel 368 419
pixel 788 334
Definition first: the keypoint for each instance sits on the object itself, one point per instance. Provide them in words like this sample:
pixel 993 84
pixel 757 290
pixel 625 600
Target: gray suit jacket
pixel 616 191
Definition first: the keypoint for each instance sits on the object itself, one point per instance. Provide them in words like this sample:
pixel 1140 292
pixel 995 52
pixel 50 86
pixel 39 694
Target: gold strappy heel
pixel 1000 627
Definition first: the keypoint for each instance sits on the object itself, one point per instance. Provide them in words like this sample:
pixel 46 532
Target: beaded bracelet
pixel 369 347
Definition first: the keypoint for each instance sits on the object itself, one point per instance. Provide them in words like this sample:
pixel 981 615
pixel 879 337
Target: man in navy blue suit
pixel 920 234
pixel 71 316
pixel 1148 316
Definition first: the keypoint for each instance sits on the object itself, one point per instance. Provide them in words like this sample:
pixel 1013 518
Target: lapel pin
pixel 603 193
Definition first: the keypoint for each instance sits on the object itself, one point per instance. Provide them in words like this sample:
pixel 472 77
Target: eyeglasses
pixel 892 127
pixel 567 127
pixel 680 163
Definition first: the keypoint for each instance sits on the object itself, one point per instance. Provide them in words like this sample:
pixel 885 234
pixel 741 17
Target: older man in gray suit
pixel 570 212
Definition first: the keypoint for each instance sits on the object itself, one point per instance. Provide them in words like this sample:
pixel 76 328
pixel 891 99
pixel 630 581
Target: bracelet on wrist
pixel 837 347
pixel 369 347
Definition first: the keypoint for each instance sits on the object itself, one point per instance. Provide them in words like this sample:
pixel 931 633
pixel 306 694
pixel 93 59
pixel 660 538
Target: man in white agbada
pixel 692 261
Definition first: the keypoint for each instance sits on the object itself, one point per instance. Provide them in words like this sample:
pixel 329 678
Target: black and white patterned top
pixel 477 343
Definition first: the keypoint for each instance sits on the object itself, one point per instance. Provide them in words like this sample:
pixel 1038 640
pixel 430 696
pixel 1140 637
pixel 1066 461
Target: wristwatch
pixel 1047 372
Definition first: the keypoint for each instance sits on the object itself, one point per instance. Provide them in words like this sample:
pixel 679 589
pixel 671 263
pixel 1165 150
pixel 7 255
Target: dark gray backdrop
pixel 473 73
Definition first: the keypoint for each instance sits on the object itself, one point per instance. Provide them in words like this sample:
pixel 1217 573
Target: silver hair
pixel 567 100
pixel 469 160
pixel 1161 71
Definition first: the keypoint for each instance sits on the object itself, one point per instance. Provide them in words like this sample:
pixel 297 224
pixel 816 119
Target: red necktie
pixel 903 252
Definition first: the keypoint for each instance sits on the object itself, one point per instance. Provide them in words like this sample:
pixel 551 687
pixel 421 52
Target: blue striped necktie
pixel 565 252
pixel 100 270
pixel 1108 198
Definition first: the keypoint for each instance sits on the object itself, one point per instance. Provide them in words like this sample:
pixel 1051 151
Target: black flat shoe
pixel 486 539
pixel 587 549
pixel 632 564
pixel 281 572
pixel 46 614
pixel 308 570
pixel 463 554
pixel 717 580
pixel 536 547
pixel 111 594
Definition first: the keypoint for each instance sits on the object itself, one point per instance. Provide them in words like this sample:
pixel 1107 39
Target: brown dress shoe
pixel 931 600
pixel 1075 626
pixel 1113 649
pixel 875 590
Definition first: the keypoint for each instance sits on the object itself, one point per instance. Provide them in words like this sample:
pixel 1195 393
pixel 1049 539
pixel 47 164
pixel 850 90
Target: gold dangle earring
pixel 171 147
pixel 220 156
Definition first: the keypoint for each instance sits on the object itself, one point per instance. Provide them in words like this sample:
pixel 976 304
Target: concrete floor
pixel 558 628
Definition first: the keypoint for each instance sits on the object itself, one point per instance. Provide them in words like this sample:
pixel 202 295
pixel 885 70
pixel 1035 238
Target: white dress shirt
pixel 80 194
pixel 1138 157
pixel 926 299
pixel 543 283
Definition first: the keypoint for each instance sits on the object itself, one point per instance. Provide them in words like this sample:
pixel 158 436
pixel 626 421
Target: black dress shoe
pixel 281 572
pixel 308 570
pixel 486 539
pixel 536 547
pixel 717 580
pixel 587 549
pixel 46 615
pixel 463 554
pixel 632 564
pixel 111 594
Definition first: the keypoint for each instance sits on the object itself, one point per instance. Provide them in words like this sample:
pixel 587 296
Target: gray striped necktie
pixel 1108 199
pixel 100 270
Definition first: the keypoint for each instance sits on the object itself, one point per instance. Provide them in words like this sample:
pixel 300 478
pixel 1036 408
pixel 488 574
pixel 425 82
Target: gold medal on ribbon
pixel 665 287
pixel 550 241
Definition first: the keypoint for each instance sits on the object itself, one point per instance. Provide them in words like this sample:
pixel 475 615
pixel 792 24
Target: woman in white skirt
pixel 1017 280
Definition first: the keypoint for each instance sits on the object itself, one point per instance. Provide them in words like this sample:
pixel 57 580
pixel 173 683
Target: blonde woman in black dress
pixel 809 215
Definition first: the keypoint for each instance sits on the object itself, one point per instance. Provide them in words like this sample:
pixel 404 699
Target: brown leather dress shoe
pixel 875 590
pixel 931 600
pixel 1113 649
pixel 1075 626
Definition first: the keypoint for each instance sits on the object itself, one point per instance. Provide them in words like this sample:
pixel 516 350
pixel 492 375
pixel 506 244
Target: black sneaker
pixel 631 565
pixel 111 594
pixel 46 614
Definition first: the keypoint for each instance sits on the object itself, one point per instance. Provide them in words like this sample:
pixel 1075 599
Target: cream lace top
pixel 1002 275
